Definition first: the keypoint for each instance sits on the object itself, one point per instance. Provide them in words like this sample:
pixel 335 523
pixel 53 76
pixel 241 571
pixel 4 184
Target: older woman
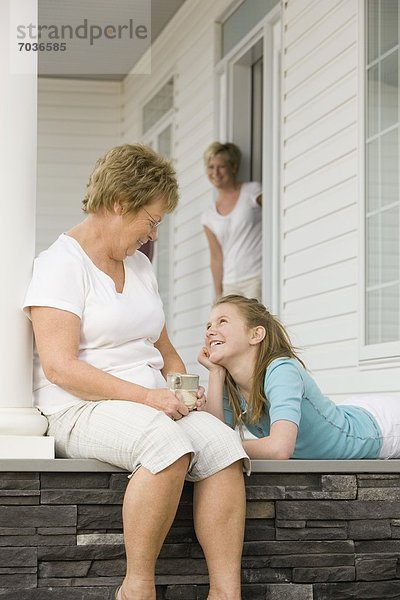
pixel 233 225
pixel 101 356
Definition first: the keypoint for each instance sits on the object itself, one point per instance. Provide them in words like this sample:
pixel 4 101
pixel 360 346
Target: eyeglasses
pixel 154 224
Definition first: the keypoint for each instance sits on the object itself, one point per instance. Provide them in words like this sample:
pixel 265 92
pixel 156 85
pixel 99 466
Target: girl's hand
pixel 204 359
pixel 166 401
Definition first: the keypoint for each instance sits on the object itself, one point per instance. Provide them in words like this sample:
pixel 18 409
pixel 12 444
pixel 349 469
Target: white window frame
pixel 155 90
pixel 385 354
pixel 150 138
pixel 271 170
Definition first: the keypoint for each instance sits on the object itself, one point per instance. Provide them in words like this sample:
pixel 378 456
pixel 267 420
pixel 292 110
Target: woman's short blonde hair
pixel 132 175
pixel 230 150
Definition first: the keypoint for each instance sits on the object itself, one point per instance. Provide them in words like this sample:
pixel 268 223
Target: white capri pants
pixel 250 288
pixel 386 411
pixel 131 435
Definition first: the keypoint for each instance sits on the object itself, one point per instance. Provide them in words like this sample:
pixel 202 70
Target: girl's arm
pixel 283 387
pixel 279 445
pixel 215 391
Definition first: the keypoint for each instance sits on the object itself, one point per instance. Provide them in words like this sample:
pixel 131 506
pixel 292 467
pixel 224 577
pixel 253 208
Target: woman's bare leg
pixel 149 509
pixel 219 517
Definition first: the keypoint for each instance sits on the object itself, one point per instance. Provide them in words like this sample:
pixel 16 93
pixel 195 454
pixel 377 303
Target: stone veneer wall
pixel 309 536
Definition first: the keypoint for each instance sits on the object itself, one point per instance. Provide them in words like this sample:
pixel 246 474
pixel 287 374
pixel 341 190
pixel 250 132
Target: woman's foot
pixel 118 593
pixel 141 591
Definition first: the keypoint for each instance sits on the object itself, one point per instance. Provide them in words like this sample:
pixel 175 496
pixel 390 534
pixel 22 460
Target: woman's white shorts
pixel 131 435
pixel 251 288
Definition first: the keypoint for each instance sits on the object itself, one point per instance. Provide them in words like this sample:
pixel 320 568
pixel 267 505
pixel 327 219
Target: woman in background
pixel 233 225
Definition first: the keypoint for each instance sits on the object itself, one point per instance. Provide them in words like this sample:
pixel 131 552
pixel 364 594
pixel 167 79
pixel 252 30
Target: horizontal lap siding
pixel 185 49
pixel 77 122
pixel 320 201
pixel 320 187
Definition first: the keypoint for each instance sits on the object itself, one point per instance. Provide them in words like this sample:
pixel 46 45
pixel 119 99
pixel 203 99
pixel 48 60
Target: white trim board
pixel 69 465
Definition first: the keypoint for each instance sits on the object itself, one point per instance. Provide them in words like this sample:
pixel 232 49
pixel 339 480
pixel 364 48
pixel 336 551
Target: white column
pixel 21 426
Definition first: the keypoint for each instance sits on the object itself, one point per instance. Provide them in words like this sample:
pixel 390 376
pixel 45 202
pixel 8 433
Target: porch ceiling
pixel 104 59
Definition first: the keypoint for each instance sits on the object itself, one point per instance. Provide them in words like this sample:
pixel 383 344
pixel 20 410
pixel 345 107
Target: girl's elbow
pixel 283 454
pixel 271 449
pixel 281 451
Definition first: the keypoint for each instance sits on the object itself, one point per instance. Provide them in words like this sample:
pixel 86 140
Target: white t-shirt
pixel 239 234
pixel 118 330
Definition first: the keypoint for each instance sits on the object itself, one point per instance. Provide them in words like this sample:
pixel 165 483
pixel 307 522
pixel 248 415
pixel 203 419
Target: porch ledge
pixel 68 465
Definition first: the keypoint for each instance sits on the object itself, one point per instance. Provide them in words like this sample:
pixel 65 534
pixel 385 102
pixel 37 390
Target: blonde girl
pixel 257 381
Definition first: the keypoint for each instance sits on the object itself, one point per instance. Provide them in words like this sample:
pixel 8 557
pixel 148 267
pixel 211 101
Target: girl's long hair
pixel 276 344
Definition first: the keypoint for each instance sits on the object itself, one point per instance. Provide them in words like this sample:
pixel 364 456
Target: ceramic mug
pixel 187 385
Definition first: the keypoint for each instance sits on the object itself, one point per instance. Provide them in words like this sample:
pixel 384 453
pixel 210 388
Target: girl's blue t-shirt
pixel 326 430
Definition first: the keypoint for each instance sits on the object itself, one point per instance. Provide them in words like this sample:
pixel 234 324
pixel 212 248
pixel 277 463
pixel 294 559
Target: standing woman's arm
pixel 216 260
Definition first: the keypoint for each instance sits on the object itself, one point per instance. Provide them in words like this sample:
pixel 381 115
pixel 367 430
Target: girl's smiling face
pixel 227 335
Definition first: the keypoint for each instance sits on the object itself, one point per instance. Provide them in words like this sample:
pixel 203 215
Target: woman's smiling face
pixel 220 172
pixel 137 229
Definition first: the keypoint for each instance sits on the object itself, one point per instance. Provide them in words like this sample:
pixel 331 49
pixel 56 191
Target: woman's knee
pixel 220 451
pixel 181 465
pixel 222 444
pixel 164 445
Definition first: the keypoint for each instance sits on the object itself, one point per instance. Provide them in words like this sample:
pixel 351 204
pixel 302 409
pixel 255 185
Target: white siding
pixel 320 203
pixel 320 199
pixel 77 122
pixel 186 50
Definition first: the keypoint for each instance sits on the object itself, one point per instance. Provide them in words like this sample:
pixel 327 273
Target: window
pixel 382 198
pixel 247 15
pixel 158 129
pixel 163 257
pixel 158 105
pixel 257 76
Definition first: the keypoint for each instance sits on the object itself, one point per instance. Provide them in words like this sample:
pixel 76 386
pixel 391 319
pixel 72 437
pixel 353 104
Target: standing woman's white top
pixel 239 234
pixel 233 225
